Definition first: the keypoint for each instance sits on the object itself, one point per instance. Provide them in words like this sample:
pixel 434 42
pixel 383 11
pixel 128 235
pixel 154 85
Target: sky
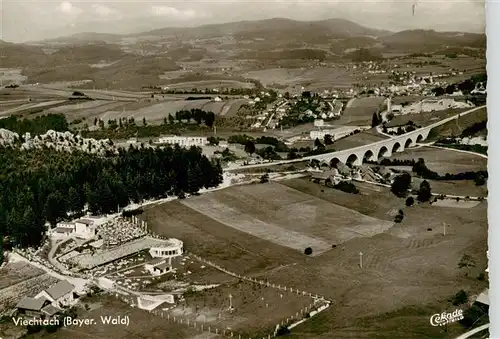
pixel 29 20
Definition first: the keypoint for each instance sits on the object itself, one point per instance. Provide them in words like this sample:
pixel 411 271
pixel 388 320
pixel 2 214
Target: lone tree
pixel 424 193
pixel 401 184
pixel 479 180
pixel 213 140
pixel 318 144
pixel 409 201
pixel 308 251
pixel 375 119
pixel 250 147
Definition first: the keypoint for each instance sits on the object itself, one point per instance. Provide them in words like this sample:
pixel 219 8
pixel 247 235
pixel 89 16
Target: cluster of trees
pixel 392 162
pixel 42 185
pixel 402 184
pixel 466 86
pixel 451 143
pixel 347 187
pixel 223 91
pixel 410 126
pixel 196 114
pixel 474 129
pixel 38 125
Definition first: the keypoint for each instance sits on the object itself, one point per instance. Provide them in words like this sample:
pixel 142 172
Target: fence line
pixel 266 283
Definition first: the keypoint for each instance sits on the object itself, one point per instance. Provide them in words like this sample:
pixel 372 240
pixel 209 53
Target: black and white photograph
pixel 244 169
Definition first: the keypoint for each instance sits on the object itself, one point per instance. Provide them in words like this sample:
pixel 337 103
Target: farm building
pixel 159 266
pixel 32 307
pixel 59 294
pixel 328 176
pixel 484 297
pixel 183 141
pixel 174 248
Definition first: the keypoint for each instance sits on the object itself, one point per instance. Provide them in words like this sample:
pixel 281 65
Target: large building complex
pixel 183 141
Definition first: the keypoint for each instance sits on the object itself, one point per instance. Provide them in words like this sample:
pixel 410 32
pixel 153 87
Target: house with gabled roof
pixel 32 307
pixel 60 294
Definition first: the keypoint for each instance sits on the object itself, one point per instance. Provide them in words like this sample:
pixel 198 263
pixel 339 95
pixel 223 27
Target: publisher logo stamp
pixel 441 319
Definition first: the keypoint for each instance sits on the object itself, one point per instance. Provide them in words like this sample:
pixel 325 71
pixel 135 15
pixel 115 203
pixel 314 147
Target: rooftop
pixel 61 288
pixel 85 221
pixel 32 304
pixel 163 266
pixel 50 310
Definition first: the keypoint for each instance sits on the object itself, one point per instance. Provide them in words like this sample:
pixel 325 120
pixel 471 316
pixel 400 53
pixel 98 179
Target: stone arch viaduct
pixel 374 151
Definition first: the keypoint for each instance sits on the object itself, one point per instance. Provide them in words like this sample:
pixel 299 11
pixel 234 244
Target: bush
pixel 398 218
pixel 347 187
pixel 409 201
pixel 460 298
pixel 282 330
pixel 308 251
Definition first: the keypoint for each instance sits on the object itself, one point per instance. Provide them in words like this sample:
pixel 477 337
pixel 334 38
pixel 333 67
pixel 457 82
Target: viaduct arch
pixel 372 152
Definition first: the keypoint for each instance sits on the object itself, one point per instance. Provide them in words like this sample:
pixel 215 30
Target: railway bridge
pixel 374 151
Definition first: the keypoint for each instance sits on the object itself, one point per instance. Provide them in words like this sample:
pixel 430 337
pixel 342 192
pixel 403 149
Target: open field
pixel 313 79
pixel 454 187
pixel 400 274
pixel 360 111
pixel 445 161
pixel 287 217
pixel 359 139
pixel 157 111
pixel 142 324
pixel 13 273
pixel 429 118
pixel 29 287
pixel 257 309
pixel 455 127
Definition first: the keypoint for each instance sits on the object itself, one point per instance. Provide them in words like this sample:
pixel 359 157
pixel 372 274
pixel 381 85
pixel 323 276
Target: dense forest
pixel 43 185
pixel 38 125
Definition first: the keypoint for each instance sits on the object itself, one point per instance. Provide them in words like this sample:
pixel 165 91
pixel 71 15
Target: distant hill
pixel 272 29
pixel 430 40
pixel 19 55
pixel 83 38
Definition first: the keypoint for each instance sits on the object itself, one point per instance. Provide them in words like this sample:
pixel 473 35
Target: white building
pixel 217 99
pixel 81 228
pixel 173 249
pixel 60 294
pixel 159 266
pixel 183 141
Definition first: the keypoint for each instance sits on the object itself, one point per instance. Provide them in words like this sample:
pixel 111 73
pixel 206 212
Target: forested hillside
pixel 42 185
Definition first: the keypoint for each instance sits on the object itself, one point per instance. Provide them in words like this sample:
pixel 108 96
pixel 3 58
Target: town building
pixel 60 294
pixel 183 141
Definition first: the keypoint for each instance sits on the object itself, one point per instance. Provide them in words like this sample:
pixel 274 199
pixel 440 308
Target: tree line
pixel 37 125
pixel 41 185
